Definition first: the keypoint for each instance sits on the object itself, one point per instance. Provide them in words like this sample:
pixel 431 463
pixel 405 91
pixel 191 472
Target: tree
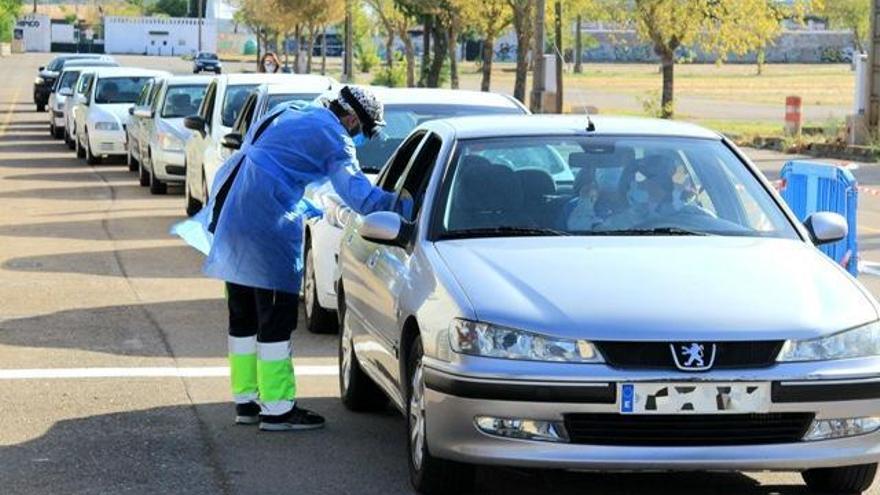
pixel 8 12
pixel 170 8
pixel 396 25
pixel 723 27
pixel 854 15
pixel 522 24
pixel 489 19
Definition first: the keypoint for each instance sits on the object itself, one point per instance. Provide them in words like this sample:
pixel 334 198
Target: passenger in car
pixel 579 214
pixel 649 195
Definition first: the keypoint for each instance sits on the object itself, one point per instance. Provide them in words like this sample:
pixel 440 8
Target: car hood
pixel 115 112
pixel 174 127
pixel 657 288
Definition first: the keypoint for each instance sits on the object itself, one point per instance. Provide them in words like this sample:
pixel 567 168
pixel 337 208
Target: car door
pixel 195 146
pixel 362 289
pixel 75 100
pixel 79 105
pixel 389 265
pixel 242 122
pixel 82 113
pixel 135 128
pixel 148 125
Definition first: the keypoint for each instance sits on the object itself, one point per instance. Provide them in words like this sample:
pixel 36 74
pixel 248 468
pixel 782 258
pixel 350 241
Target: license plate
pixel 108 146
pixel 694 398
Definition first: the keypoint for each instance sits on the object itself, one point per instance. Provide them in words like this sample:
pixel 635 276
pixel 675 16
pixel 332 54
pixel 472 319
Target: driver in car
pixel 650 194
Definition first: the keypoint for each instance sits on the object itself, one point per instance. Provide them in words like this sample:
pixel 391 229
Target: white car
pixel 135 130
pixel 63 88
pixel 103 112
pixel 223 101
pixel 163 135
pixel 71 104
pixel 405 109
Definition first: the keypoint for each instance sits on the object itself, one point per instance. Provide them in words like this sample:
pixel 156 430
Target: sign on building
pixel 33 33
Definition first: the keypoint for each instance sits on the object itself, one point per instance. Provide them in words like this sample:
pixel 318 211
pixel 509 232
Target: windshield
pixel 68 79
pixel 622 186
pixel 119 89
pixel 300 100
pixel 183 101
pixel 402 119
pixel 233 101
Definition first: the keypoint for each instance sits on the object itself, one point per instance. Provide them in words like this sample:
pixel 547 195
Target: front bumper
pixel 455 399
pixel 58 118
pixel 42 92
pixel 169 165
pixel 107 143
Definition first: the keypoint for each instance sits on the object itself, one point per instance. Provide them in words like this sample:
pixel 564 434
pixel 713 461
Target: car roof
pixel 436 96
pixel 533 125
pixel 304 83
pixel 129 72
pixel 183 80
pixel 259 78
pixel 89 62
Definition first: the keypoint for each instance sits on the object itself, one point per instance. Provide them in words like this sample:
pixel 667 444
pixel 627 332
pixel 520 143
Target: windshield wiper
pixel 504 232
pixel 646 232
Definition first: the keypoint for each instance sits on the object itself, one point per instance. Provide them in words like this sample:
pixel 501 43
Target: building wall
pixel 34 31
pixel 168 36
pixel 63 33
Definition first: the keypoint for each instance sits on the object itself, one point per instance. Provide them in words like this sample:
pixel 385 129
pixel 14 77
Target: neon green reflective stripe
pixel 277 381
pixel 243 371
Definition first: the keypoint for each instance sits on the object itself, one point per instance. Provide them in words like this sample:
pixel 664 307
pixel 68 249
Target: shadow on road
pixel 151 262
pixel 123 228
pixel 167 450
pixel 74 193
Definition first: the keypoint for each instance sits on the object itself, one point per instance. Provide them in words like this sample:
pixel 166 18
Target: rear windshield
pixel 120 89
pixel 182 101
pixel 233 101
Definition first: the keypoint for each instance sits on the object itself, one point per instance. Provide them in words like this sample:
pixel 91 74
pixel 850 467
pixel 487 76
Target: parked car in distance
pixel 47 74
pixel 207 61
pixel 63 88
pixel 223 101
pixel 262 99
pixel 665 312
pixel 163 160
pixel 405 109
pixel 102 114
pixel 135 129
pixel 71 104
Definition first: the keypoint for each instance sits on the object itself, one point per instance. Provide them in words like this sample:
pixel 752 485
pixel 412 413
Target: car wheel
pixel 847 479
pixel 52 130
pixel 80 151
pixel 131 162
pixel 59 133
pixel 156 186
pixel 357 390
pixel 143 173
pixel 428 474
pixel 68 140
pixel 318 319
pixel 91 159
pixel 41 107
pixel 193 205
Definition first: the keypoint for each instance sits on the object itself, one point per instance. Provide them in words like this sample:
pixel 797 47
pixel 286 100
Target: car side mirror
pixel 195 123
pixel 42 68
pixel 826 227
pixel 142 112
pixel 385 227
pixel 65 92
pixel 231 141
pixel 131 110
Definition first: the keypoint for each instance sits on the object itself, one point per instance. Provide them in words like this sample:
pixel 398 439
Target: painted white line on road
pixel 158 372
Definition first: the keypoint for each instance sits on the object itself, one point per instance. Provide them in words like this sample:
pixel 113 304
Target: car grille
pixel 687 430
pixel 658 355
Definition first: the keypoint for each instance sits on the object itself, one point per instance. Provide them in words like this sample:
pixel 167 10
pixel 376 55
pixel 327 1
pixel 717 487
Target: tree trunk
pixel 578 47
pixel 389 49
pixel 488 55
pixel 761 57
pixel 453 57
pixel 298 56
pixel 438 57
pixel 667 102
pixel 522 25
pixel 311 49
pixel 410 53
pixel 323 50
pixel 259 48
pixel 427 25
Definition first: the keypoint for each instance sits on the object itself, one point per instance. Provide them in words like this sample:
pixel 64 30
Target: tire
pixel 157 187
pixel 68 140
pixel 143 175
pixel 41 107
pixel 80 151
pixel 52 131
pixel 91 159
pixel 193 205
pixel 318 319
pixel 357 390
pixel 58 134
pixel 428 474
pixel 840 480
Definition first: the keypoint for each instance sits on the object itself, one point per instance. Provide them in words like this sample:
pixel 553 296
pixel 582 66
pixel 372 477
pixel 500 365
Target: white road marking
pixel 157 372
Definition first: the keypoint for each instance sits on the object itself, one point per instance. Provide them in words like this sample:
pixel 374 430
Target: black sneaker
pixel 296 419
pixel 247 413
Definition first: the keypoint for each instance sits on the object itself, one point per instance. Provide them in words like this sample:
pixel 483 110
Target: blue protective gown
pixel 257 241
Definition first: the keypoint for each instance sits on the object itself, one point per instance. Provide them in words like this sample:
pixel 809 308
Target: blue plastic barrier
pixel 809 187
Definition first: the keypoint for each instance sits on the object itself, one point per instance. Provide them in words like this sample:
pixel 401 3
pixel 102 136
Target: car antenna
pixel 591 127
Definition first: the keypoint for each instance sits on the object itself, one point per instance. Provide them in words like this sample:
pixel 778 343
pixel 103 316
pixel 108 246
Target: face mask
pixel 270 67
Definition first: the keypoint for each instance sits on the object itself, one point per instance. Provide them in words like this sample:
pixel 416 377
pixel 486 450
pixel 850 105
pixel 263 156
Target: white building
pixel 32 33
pixel 164 36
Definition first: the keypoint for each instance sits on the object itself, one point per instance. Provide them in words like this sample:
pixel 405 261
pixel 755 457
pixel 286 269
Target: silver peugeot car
pixel 606 294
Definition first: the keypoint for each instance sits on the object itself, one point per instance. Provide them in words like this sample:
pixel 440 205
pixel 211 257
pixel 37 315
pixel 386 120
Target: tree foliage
pixel 170 8
pixel 853 15
pixel 8 13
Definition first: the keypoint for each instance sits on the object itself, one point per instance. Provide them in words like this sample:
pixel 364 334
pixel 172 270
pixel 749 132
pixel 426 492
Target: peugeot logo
pixel 693 356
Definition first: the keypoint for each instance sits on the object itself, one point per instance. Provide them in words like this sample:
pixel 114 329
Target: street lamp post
pixel 538 88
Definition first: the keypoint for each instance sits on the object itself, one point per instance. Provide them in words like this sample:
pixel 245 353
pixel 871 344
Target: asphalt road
pixel 90 278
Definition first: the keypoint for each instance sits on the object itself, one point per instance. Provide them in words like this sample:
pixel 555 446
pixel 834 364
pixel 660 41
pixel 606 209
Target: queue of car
pixel 548 292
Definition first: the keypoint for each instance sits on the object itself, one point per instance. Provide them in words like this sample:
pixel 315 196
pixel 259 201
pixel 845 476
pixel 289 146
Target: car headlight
pixel 106 126
pixel 483 339
pixel 170 143
pixel 39 80
pixel 863 341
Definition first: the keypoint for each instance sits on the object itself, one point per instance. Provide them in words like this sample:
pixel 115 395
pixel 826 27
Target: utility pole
pixel 347 72
pixel 201 20
pixel 578 47
pixel 559 59
pixel 35 6
pixel 872 88
pixel 538 78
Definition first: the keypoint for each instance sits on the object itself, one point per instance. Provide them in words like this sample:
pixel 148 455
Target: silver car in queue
pixel 665 311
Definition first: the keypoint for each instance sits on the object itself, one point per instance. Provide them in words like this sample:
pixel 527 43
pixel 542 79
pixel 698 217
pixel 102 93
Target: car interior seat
pixel 487 195
pixel 181 104
pixel 539 189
